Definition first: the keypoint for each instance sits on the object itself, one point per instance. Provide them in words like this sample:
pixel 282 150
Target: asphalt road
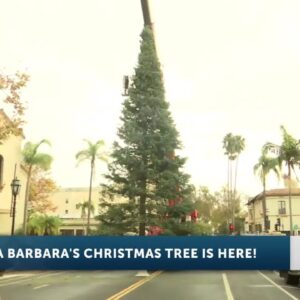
pixel 113 285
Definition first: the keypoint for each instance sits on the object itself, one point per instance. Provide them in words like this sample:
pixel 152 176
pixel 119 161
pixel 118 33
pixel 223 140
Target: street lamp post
pixel 15 189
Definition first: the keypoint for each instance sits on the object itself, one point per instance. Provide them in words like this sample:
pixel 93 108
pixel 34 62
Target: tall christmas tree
pixel 145 170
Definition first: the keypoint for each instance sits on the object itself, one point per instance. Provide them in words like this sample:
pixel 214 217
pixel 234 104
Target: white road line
pixel 261 285
pixel 227 287
pixel 16 276
pixel 17 281
pixel 278 286
pixel 40 286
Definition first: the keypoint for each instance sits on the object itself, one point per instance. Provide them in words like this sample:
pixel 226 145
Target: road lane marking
pixel 278 286
pixel 227 287
pixel 9 276
pixel 40 286
pixel 134 286
pixel 13 282
pixel 261 285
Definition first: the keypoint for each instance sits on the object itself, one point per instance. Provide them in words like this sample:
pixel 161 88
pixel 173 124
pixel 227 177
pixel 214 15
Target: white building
pixel 277 211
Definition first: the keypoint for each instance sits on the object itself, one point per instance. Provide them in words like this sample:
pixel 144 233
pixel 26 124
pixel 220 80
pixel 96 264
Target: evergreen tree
pixel 145 169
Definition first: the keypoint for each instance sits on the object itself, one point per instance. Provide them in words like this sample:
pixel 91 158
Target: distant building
pixel 277 211
pixel 11 156
pixel 74 219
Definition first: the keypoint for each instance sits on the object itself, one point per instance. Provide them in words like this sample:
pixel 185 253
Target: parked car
pixel 290 277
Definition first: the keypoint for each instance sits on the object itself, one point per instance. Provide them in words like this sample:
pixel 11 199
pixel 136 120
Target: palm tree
pixel 91 153
pixel 84 208
pixel 288 153
pixel 51 225
pixel 35 224
pixel 264 166
pixel 233 145
pixel 32 158
pixel 43 224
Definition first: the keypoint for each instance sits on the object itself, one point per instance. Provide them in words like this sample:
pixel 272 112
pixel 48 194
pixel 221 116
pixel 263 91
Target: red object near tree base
pixel 194 215
pixel 155 230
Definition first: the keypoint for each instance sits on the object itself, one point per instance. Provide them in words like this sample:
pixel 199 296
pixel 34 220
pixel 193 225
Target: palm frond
pixel 42 160
pixel 32 157
pixel 83 155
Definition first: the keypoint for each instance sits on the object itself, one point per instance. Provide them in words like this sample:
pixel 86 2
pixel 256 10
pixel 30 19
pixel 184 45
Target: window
pixel 66 211
pixel 79 232
pixel 281 207
pixel 67 201
pixel 69 232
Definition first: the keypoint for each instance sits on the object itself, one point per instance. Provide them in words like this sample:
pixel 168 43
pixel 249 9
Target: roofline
pixel 75 189
pixel 275 193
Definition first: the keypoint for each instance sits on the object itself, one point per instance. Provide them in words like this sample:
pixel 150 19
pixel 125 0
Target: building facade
pixel 11 159
pixel 74 218
pixel 277 211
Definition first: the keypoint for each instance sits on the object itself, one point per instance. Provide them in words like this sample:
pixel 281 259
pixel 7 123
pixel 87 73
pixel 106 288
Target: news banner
pixel 150 253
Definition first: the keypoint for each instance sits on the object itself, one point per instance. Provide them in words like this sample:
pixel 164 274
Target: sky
pixel 229 66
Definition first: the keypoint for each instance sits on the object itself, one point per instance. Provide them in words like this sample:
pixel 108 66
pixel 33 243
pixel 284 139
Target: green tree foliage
pixel 288 154
pixel 233 146
pixel 31 159
pixel 145 169
pixel 42 224
pixel 84 207
pixel 93 152
pixel 264 166
pixel 214 210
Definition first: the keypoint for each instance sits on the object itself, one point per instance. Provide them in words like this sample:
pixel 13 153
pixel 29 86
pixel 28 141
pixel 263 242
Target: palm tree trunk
pixel 234 189
pixel 290 199
pixel 231 192
pixel 90 198
pixel 26 201
pixel 264 205
pixel 228 190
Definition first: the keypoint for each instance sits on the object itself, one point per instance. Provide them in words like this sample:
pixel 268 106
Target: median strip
pixel 134 286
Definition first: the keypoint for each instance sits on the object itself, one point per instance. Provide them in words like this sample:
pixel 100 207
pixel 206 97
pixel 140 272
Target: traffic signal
pixel 231 227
